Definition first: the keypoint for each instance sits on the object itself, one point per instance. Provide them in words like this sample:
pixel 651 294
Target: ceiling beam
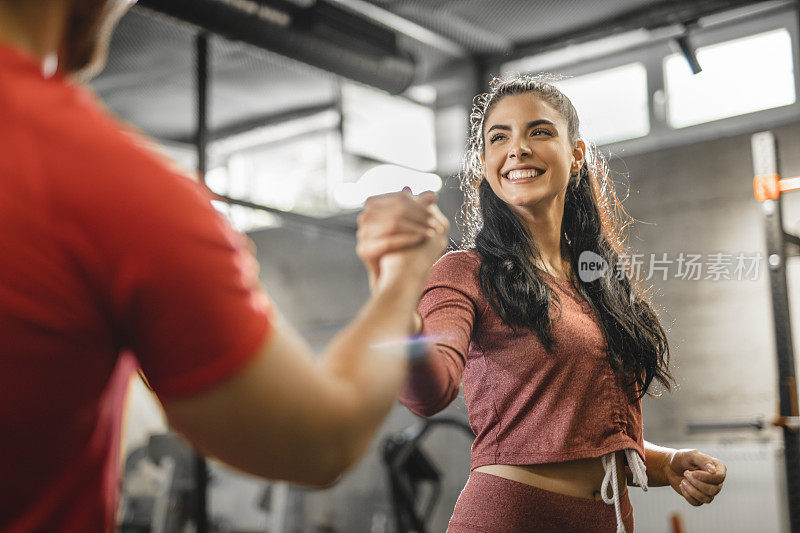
pixel 258 122
pixel 664 13
pixel 322 35
pixel 404 26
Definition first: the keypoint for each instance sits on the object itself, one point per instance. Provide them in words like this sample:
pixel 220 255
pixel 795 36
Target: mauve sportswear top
pixel 525 406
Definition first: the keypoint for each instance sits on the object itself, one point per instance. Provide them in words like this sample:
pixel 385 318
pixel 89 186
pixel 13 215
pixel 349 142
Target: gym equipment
pixel 768 188
pixel 169 509
pixel 410 470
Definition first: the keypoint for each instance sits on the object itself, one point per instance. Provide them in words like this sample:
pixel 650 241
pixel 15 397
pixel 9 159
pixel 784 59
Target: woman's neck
pixel 545 228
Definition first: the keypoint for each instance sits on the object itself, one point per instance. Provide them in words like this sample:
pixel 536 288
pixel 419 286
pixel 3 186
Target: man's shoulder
pixel 82 127
pixel 66 124
pixel 82 146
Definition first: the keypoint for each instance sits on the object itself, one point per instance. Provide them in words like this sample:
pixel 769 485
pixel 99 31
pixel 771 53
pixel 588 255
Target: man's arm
pixel 288 416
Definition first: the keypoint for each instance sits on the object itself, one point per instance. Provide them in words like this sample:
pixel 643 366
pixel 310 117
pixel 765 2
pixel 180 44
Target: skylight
pixel 740 76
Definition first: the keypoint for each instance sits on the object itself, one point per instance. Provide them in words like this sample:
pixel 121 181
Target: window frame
pixel 652 55
pixel 647 97
pixel 679 58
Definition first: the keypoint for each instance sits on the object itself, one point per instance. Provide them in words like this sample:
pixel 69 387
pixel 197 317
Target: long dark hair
pixel 593 221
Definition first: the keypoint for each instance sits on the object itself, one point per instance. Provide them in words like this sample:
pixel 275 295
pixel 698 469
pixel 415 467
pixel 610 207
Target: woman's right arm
pixel 446 312
pixel 447 316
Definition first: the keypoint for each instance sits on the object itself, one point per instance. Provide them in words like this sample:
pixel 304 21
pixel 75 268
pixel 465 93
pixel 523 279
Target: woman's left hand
pixel 695 476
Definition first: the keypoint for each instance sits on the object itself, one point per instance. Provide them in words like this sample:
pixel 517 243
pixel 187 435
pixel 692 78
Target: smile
pixel 521 174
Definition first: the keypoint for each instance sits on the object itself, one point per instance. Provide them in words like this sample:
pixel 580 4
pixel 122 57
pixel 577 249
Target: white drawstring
pixel 638 470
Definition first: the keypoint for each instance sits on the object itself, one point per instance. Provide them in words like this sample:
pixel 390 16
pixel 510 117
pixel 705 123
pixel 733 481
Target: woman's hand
pixel 394 222
pixel 412 265
pixel 695 476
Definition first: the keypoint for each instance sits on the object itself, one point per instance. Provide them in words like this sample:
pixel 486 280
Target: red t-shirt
pixel 104 253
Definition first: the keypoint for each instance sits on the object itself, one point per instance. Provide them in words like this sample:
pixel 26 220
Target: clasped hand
pixel 400 235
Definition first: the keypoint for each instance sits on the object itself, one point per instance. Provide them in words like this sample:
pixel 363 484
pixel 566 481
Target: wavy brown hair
pixel 594 220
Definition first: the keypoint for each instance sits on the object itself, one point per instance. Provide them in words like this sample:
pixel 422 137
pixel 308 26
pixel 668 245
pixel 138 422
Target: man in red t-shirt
pixel 111 260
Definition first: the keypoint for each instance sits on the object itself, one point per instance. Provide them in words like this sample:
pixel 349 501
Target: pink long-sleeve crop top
pixel 525 405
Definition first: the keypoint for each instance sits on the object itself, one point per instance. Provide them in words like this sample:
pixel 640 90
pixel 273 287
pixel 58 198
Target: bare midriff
pixel 582 478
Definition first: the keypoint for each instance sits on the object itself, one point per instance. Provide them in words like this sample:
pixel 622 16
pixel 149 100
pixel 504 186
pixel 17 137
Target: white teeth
pixel 526 173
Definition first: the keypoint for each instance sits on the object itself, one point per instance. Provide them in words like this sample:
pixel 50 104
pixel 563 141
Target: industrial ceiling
pixel 150 78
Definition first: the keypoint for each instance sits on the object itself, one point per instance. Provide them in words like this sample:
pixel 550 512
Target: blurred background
pixel 295 111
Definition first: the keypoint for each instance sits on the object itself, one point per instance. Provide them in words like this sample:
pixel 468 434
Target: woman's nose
pixel 519 150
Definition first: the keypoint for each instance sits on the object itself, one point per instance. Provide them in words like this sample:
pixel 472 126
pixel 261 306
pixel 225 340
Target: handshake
pixel 399 237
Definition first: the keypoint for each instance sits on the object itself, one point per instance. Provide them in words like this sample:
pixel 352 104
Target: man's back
pixel 103 251
pixel 106 251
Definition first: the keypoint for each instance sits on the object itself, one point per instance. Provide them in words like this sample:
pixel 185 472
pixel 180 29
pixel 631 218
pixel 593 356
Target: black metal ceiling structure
pixel 150 79
pixel 500 30
pixel 274 58
pixel 320 34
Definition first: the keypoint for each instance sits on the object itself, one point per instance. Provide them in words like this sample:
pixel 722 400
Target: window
pixel 738 77
pixel 611 104
pixel 297 174
pixel 307 166
pixel 388 128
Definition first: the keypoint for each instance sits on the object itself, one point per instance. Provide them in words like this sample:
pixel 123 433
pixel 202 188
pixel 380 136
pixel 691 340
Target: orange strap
pixel 770 186
pixel 788 422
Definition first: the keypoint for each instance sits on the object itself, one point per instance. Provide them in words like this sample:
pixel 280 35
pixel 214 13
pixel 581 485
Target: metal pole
pixel 200 466
pixel 201 135
pixel 765 162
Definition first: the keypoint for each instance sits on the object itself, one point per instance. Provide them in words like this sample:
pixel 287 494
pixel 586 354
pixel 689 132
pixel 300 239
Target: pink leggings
pixel 492 504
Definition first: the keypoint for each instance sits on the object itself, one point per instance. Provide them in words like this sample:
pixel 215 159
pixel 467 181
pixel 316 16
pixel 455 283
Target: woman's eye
pixel 494 138
pixel 540 131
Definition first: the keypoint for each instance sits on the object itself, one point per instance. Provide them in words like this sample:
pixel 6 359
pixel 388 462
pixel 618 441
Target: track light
pixel 688 52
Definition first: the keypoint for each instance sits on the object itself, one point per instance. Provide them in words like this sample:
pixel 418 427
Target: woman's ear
pixel 578 156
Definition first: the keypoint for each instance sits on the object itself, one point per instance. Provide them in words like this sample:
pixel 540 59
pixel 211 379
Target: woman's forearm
pixel 656 459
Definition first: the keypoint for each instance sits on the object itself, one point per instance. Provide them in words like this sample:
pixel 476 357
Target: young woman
pixel 554 366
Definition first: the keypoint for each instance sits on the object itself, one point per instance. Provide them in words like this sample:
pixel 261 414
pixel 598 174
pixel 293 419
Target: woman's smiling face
pixel 528 155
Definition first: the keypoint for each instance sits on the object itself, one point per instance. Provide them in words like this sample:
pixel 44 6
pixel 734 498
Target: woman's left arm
pixel 692 474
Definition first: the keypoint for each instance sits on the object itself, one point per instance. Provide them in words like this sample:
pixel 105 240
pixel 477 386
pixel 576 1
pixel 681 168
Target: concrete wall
pixel 699 199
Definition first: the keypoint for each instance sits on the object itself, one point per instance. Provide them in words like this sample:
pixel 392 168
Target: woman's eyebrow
pixel 530 124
